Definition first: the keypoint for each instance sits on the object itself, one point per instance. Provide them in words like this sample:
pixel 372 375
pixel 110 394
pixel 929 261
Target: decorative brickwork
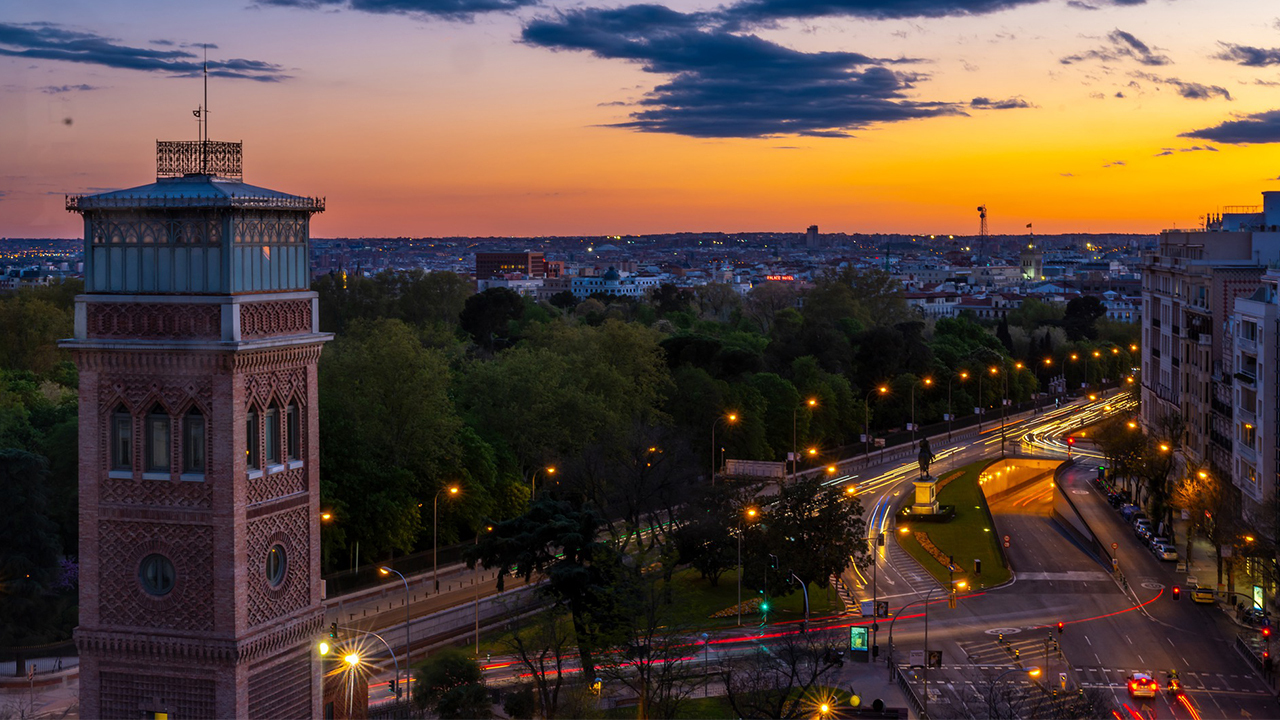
pixel 139 392
pixel 161 493
pixel 154 321
pixel 272 319
pixel 289 529
pixel 276 485
pixel 281 690
pixel 281 386
pixel 123 602
pixel 133 695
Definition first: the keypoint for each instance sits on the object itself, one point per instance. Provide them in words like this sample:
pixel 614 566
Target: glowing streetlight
pixel 750 514
pixel 550 470
pixel 326 516
pixel 435 525
pixel 323 647
pixel 352 660
pixel 730 418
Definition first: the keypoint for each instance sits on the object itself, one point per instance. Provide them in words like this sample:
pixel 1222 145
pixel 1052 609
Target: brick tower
pixel 197 341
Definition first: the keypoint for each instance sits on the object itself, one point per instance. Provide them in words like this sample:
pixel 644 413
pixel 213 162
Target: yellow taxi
pixel 1202 595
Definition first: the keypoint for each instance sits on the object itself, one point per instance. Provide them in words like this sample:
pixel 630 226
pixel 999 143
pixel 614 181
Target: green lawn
pixel 697 708
pixel 967 536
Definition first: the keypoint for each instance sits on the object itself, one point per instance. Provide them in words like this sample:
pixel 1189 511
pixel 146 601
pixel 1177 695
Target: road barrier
pixel 1069 518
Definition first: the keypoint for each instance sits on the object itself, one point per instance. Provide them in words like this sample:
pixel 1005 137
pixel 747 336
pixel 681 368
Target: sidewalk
pixel 870 681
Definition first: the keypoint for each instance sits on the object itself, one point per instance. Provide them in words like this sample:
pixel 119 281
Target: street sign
pixel 917 658
pixel 866 607
pixel 1115 546
pixel 1006 541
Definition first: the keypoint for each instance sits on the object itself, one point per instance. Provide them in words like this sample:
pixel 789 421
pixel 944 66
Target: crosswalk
pixel 1104 677
pixel 1013 651
pixel 906 569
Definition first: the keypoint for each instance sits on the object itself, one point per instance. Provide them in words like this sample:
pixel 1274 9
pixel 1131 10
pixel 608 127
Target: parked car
pixel 1141 524
pixel 1202 595
pixel 1166 552
pixel 1255 617
pixel 1156 540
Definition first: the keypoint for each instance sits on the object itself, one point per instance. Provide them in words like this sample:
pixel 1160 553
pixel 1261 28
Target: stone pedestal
pixel 926 496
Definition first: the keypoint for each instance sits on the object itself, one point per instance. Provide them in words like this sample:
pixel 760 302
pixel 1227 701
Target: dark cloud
pixel 1263 127
pixel 725 84
pixel 1009 104
pixel 757 11
pixel 1124 46
pixel 1249 56
pixel 59 89
pixel 443 9
pixel 1066 174
pixel 1193 148
pixel 48 41
pixel 1189 90
pixel 1114 163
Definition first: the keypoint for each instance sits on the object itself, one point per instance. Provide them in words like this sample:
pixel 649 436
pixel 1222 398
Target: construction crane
pixel 982 232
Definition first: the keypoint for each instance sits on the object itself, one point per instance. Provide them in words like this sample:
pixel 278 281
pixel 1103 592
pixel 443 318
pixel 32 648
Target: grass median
pixel 967 537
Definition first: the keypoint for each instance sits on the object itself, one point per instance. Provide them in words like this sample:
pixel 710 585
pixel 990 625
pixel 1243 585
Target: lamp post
pixel 1004 399
pixel 407 647
pixel 353 659
pixel 866 418
pixel 991 696
pixel 795 458
pixel 750 515
pixel 876 543
pixel 730 418
pixel 533 491
pixel 435 534
pixel 923 381
pixel 951 415
pixel 487 528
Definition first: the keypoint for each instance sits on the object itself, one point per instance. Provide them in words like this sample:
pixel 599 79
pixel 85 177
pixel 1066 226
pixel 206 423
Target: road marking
pixel 1126 637
pixel 1086 639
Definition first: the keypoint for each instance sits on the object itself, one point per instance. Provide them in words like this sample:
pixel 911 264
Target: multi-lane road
pixel 1110 630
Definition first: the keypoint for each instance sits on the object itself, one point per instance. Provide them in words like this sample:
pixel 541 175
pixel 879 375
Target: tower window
pixel 252 457
pixel 121 440
pixel 276 565
pixel 293 427
pixel 156 574
pixel 158 440
pixel 273 435
pixel 193 443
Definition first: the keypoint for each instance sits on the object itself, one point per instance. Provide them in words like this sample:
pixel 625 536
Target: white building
pixel 1254 426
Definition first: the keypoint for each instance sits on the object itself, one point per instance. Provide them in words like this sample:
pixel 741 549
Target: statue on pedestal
pixel 926 456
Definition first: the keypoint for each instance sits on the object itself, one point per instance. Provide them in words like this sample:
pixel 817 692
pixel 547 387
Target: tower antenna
pixel 204 141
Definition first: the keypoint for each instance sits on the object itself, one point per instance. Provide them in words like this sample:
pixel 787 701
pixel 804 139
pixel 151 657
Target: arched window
pixel 158 437
pixel 121 439
pixel 252 459
pixel 293 430
pixel 273 434
pixel 193 443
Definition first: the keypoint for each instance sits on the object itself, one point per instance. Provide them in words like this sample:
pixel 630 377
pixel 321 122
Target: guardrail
pixel 909 692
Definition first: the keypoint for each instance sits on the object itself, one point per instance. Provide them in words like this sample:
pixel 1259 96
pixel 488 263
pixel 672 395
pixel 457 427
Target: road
pixel 1109 632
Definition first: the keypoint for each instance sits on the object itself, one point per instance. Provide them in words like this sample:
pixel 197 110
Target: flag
pixel 1028 224
pixel 196 113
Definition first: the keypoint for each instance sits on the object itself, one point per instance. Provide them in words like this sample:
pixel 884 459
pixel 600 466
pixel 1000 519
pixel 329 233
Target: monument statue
pixel 926 456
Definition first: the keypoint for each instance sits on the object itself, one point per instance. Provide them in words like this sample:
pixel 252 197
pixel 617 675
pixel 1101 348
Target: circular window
pixel 276 565
pixel 156 574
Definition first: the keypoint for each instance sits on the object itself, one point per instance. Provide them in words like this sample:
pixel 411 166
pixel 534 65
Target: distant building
pixel 1032 260
pixel 811 237
pixel 1254 443
pixel 493 265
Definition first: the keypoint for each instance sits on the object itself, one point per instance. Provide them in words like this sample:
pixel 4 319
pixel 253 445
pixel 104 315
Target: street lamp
pixel 751 514
pixel 1033 672
pixel 435 534
pixel 407 647
pixel 1004 399
pixel 795 456
pixel 730 418
pixel 476 580
pixel 926 382
pixel 866 417
pixel 533 491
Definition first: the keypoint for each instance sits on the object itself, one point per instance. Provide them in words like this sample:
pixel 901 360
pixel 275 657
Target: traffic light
pixel 333 631
pixel 1071 441
pixel 1266 633
pixel 1061 627
pixel 1177 592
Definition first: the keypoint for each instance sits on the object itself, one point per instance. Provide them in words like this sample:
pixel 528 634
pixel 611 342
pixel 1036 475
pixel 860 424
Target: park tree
pixel 423 298
pixel 1081 317
pixel 716 301
pixel 814 529
pixel 450 684
pixel 388 433
pixel 541 639
pixel 31 327
pixel 487 316
pixel 780 681
pixel 707 536
pixel 29 553
pixel 763 303
pixel 562 543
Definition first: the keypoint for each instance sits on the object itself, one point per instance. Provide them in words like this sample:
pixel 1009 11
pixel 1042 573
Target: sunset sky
pixel 536 117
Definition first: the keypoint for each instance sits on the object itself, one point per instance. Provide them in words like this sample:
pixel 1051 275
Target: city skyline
pixel 505 117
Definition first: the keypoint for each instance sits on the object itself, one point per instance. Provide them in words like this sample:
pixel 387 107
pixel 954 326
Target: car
pixel 1141 522
pixel 1255 617
pixel 1202 594
pixel 1143 533
pixel 1167 552
pixel 1157 540
pixel 1143 685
